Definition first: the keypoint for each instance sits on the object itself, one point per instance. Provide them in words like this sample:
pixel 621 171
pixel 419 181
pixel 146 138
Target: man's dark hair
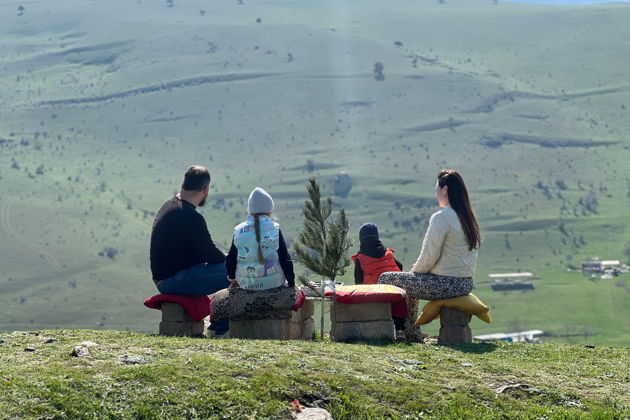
pixel 195 178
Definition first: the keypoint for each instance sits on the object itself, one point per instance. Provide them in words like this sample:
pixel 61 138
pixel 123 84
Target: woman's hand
pixel 233 284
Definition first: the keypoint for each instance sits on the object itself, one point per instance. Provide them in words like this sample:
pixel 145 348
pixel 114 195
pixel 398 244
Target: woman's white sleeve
pixel 432 244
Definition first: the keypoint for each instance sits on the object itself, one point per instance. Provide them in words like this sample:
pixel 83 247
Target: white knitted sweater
pixel 444 249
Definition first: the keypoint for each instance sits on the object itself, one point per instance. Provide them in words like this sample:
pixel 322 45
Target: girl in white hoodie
pixel 258 258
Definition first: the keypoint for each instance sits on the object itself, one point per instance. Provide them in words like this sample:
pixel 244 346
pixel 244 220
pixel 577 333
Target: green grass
pixel 522 75
pixel 197 378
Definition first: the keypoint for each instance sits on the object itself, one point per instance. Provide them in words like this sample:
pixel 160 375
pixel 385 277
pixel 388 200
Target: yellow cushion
pixel 469 304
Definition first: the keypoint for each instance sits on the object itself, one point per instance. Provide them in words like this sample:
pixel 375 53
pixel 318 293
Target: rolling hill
pixel 104 106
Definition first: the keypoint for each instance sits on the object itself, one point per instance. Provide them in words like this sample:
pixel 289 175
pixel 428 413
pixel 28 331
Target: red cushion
pixel 299 302
pixel 373 293
pixel 197 307
pixel 368 293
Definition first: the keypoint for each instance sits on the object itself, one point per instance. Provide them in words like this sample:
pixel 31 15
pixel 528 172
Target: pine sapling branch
pixel 323 244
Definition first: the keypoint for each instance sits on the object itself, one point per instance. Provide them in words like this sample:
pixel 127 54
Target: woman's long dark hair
pixel 459 201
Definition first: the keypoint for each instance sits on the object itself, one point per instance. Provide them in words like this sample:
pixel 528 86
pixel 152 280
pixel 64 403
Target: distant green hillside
pixel 105 104
pixel 128 375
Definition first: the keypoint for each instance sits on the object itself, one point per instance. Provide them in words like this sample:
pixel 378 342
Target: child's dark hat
pixel 368 229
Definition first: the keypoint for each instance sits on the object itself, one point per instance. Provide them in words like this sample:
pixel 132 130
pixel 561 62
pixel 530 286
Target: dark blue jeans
pixel 199 280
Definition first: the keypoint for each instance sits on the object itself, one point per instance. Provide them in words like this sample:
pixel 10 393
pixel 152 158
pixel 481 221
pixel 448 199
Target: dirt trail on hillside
pixel 439 125
pixel 173 84
pixel 492 102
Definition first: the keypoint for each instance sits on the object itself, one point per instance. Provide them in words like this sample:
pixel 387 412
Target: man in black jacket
pixel 184 259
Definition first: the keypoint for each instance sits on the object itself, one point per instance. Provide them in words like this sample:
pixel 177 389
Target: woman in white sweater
pixel 448 257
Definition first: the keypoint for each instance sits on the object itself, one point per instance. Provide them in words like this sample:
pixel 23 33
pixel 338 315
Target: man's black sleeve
pixel 399 264
pixel 230 261
pixel 358 272
pixel 284 258
pixel 201 241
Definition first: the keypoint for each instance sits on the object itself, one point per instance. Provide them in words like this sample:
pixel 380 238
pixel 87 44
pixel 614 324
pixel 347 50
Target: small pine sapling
pixel 323 244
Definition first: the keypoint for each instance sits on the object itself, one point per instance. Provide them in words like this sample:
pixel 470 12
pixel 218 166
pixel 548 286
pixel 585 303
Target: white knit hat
pixel 259 201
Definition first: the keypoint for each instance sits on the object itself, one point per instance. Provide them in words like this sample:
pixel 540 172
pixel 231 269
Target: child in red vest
pixel 372 260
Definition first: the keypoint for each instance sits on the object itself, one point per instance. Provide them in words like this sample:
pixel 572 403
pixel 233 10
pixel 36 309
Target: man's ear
pixel 206 188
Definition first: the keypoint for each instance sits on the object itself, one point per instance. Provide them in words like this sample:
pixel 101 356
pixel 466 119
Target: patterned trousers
pixel 425 286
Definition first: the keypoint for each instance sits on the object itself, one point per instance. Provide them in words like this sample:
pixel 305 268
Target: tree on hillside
pixel 323 244
pixel 378 71
pixel 21 10
pixel 626 250
pixel 589 203
pixel 310 165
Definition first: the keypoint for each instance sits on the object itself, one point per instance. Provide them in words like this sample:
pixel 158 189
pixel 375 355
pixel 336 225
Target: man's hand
pixel 233 284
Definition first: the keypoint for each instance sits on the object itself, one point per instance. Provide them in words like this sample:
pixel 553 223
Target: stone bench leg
pixel 176 322
pixel 361 321
pixel 296 325
pixel 260 329
pixel 302 322
pixel 454 327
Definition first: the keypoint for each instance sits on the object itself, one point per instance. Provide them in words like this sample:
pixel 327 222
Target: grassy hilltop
pixel 129 375
pixel 104 105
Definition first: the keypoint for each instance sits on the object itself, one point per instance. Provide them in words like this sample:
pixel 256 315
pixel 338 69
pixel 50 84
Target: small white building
pixel 531 336
pixel 595 266
pixel 510 275
pixel 611 263
pixel 511 281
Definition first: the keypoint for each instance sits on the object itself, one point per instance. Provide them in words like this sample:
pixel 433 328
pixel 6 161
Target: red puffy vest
pixel 374 267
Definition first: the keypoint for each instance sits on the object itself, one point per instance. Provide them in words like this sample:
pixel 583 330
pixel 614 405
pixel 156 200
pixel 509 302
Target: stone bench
pixel 454 328
pixel 177 322
pixel 361 321
pixel 276 325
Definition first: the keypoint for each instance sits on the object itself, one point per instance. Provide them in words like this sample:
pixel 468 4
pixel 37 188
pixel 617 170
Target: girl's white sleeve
pixel 432 244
